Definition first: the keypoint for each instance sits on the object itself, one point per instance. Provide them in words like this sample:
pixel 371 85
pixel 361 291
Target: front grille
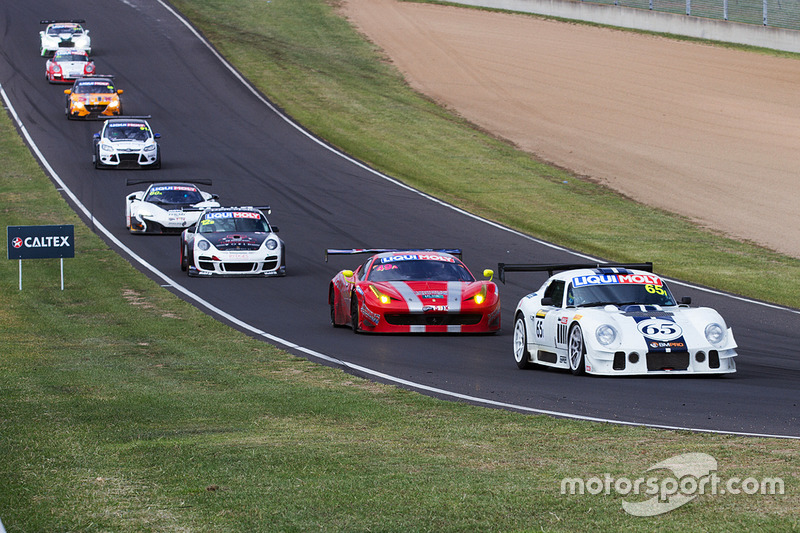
pixel 130 158
pixel 667 360
pixel 96 108
pixel 238 267
pixel 270 264
pixel 430 319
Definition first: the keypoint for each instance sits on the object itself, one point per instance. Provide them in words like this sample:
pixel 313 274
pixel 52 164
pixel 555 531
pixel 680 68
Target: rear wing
pixel 76 21
pixel 139 181
pixel 502 268
pixel 355 251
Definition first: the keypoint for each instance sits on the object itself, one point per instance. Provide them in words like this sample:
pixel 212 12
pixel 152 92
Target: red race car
pixel 67 65
pixel 413 291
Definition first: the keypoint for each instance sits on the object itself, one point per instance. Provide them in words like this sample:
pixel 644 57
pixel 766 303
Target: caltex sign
pixel 41 242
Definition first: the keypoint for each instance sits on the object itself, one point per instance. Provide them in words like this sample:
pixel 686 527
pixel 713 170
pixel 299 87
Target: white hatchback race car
pixel 233 241
pixel 126 142
pixel 64 34
pixel 166 207
pixel 613 319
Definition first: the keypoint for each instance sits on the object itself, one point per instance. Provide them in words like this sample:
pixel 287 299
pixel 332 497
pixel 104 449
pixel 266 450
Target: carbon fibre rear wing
pixel 502 268
pixel 139 181
pixel 355 251
pixel 76 21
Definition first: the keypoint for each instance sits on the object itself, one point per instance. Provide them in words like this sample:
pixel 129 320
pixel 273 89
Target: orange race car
pixel 93 97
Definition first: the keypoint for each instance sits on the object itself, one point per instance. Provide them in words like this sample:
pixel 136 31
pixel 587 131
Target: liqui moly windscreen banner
pixel 41 242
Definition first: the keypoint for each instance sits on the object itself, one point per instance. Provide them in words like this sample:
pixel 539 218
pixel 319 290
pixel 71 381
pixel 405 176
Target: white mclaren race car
pixel 233 241
pixel 613 319
pixel 64 34
pixel 166 207
pixel 126 142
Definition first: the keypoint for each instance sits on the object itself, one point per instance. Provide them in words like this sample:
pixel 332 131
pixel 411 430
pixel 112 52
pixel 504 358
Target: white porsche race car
pixel 126 142
pixel 233 241
pixel 166 207
pixel 64 34
pixel 613 319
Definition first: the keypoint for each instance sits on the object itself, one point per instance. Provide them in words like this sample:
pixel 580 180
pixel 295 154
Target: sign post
pixel 41 242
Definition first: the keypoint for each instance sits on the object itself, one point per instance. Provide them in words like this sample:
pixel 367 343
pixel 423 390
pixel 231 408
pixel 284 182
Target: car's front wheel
pixel 521 354
pixel 576 351
pixel 355 317
pixel 184 258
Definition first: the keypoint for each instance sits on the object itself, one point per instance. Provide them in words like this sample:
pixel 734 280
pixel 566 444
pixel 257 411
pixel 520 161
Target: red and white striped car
pixel 413 291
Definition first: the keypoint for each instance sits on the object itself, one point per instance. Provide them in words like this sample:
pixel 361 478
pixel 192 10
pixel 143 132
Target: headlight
pixel 606 334
pixel 271 244
pixel 715 333
pixel 203 245
pixel 145 214
pixel 480 296
pixel 106 147
pixel 382 298
pixel 113 103
pixel 149 147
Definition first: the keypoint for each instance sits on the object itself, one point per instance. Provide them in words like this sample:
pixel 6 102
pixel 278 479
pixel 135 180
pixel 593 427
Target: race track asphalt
pixel 214 127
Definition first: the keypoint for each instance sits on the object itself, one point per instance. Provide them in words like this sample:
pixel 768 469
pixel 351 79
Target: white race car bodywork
pixel 64 35
pixel 233 241
pixel 126 142
pixel 619 339
pixel 142 216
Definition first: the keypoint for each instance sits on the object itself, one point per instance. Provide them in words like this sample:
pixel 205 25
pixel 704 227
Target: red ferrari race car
pixel 413 291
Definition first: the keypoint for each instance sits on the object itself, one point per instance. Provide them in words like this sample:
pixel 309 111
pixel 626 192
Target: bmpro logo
pixel 673 483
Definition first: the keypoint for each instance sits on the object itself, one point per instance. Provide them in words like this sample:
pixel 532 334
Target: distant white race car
pixel 613 320
pixel 126 142
pixel 64 34
pixel 166 207
pixel 233 241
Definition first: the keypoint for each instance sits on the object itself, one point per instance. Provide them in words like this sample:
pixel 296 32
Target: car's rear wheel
pixel 355 317
pixel 521 355
pixel 576 351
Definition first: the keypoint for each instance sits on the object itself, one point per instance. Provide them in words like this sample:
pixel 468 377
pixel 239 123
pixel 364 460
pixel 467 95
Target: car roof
pixel 421 252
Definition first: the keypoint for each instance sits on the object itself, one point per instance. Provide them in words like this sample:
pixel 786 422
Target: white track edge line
pixel 291 345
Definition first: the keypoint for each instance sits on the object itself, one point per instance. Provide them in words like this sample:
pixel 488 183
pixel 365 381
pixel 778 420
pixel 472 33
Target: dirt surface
pixel 710 133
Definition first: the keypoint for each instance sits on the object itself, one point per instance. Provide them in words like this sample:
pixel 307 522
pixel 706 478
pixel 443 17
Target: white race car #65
pixel 166 207
pixel 616 319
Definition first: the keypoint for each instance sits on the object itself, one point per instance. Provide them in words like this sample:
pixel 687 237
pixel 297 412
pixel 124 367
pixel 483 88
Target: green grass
pixel 116 415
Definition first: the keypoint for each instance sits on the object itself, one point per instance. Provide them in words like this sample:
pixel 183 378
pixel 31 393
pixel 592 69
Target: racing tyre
pixel 576 351
pixel 184 258
pixel 97 164
pixel 157 164
pixel 332 302
pixel 355 317
pixel 521 354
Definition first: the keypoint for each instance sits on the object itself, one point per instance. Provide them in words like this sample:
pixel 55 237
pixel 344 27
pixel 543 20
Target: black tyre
pixel 521 355
pixel 576 351
pixel 157 164
pixel 355 316
pixel 184 258
pixel 332 302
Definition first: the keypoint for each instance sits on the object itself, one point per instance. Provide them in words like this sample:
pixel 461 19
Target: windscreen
pixel 597 294
pixel 229 221
pixel 419 270
pixel 173 195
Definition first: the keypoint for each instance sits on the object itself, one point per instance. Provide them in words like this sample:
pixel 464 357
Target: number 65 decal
pixel 660 330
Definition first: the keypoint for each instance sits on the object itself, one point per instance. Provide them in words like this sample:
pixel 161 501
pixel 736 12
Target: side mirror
pixel 547 300
pixel 157 135
pixel 275 229
pixel 96 135
pixel 67 91
pixel 119 91
pixel 686 300
pixel 215 196
pixel 348 274
pixel 488 273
